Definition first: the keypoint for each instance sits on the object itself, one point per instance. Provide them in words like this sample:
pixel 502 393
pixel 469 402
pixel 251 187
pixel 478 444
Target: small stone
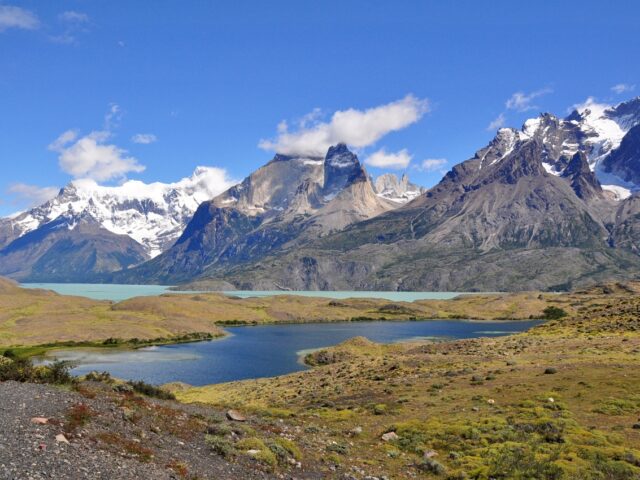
pixel 253 452
pixel 551 400
pixel 356 431
pixel 40 420
pixel 236 416
pixel 430 454
pixel 475 409
pixel 550 371
pixel 60 438
pixel 390 436
pixel 491 401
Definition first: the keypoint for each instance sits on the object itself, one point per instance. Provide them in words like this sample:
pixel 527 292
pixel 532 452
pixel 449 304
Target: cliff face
pixel 284 204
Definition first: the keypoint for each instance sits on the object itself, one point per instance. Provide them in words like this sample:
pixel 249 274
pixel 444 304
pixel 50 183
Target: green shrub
pixel 151 390
pixel 284 448
pixel 432 466
pixel 340 448
pixel 102 377
pixel 554 313
pixel 251 443
pixel 219 445
pixel 9 354
pixel 23 370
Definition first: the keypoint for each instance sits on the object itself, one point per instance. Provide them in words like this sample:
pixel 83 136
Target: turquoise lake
pixel 118 293
pixel 266 350
pixel 259 351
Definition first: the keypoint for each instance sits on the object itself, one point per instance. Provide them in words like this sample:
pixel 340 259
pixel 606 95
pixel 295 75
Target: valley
pixel 557 401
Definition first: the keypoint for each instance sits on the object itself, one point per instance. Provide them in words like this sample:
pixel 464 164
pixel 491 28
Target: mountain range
pixel 549 206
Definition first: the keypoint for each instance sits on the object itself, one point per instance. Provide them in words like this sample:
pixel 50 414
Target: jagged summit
pixel 596 130
pixel 280 205
pixel 541 206
pixel 153 214
pixel 401 190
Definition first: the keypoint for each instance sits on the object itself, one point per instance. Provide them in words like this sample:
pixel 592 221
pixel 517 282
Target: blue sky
pixel 151 89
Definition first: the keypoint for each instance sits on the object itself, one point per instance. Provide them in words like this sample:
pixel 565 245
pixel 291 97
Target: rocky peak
pixel 626 114
pixel 341 168
pixel 153 215
pixel 624 161
pixel 388 186
pixel 581 177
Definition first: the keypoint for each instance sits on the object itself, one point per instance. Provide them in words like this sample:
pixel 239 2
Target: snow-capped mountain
pixel 595 129
pixel 397 190
pixel 287 202
pixel 154 214
pixel 535 208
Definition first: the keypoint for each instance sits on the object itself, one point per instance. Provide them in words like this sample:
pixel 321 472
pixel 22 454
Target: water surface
pixel 267 350
pixel 118 293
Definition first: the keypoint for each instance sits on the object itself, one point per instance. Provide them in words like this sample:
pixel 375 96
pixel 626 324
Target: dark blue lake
pixel 265 351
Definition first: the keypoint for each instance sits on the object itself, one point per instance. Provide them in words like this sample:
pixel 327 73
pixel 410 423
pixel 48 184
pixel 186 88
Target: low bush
pixel 220 445
pixel 102 377
pixel 151 390
pixel 23 370
pixel 78 416
pixel 554 313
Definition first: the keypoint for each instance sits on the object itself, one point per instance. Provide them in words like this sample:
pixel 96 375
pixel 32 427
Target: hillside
pixel 558 402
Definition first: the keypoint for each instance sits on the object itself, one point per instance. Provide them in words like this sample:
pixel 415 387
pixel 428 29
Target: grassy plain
pixel 561 401
pixel 31 318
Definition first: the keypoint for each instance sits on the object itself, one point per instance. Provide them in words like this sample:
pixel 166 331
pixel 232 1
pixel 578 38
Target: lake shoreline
pixel 128 345
pixel 273 350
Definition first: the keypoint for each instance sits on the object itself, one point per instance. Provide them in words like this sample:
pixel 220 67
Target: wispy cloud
pixel 358 128
pixel 16 17
pixel 74 23
pixel 591 103
pixel 496 123
pixel 622 88
pixel 113 117
pixel 92 156
pixel 519 102
pixel 74 17
pixel 523 102
pixel 31 195
pixel 394 160
pixel 144 138
pixel 433 164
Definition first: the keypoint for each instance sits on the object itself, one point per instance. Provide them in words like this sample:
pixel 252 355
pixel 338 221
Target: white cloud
pixel 522 102
pixel 144 138
pixel 92 157
pixel 32 195
pixel 498 122
pixel 16 17
pixel 74 17
pixel 112 117
pixel 622 88
pixel 394 160
pixel 65 138
pixel 358 128
pixel 433 164
pixel 590 104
